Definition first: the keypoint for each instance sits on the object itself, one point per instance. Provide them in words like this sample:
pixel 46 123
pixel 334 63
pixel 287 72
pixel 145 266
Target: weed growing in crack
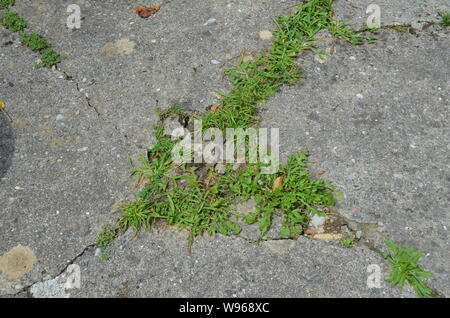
pixel 400 28
pixel 348 242
pixel 445 18
pixel 290 193
pixel 255 81
pixel 6 3
pixel 105 240
pixel 49 58
pixel 405 269
pixel 201 203
pixel 12 21
pixel 34 41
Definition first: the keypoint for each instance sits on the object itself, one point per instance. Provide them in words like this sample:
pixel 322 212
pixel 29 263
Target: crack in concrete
pixel 27 288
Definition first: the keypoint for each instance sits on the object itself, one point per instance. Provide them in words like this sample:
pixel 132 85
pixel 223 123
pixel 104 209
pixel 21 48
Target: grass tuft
pixel 405 269
pixel 183 199
pixel 12 21
pixel 445 18
pixel 105 241
pixel 6 3
pixel 49 58
pixel 255 81
pixel 348 242
pixel 34 41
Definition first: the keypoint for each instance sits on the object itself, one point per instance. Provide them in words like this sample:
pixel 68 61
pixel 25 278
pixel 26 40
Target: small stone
pixel 221 168
pixel 215 62
pixel 210 21
pixel 60 117
pixel 265 35
pixel 317 221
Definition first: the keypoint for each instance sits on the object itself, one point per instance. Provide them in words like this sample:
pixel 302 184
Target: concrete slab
pixel 375 117
pixel 65 168
pixel 158 265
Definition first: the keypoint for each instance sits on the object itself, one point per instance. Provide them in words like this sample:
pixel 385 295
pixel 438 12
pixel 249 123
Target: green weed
pixel 400 28
pixel 405 269
pixel 445 18
pixel 105 240
pixel 6 3
pixel 34 41
pixel 12 21
pixel 180 197
pixel 49 58
pixel 348 242
pixel 253 82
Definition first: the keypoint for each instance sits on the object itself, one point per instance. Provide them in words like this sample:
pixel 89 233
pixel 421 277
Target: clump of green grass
pixel 253 82
pixel 445 18
pixel 200 206
pixel 12 21
pixel 405 269
pixel 348 242
pixel 105 240
pixel 296 198
pixel 34 41
pixel 180 197
pixel 49 58
pixel 6 3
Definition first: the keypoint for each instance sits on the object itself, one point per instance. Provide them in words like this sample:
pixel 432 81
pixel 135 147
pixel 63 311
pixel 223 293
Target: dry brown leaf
pixel 146 11
pixel 310 232
pixel 278 182
pixel 213 107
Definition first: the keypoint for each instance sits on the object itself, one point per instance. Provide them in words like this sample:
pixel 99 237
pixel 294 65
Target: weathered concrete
pixel 375 117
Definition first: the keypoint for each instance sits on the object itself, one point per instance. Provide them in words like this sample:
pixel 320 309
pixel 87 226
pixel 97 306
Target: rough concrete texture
pixel 159 265
pixel 375 117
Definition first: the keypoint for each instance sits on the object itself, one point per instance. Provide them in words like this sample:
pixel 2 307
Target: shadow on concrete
pixel 7 142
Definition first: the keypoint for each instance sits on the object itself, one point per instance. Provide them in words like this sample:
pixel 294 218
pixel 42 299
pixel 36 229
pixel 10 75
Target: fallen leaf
pixel 277 183
pixel 213 108
pixel 146 11
pixel 310 232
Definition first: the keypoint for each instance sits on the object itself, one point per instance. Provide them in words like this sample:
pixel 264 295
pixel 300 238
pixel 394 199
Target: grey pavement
pixel 374 117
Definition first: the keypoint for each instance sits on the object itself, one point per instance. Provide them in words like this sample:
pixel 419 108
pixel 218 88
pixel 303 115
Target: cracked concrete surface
pixel 375 117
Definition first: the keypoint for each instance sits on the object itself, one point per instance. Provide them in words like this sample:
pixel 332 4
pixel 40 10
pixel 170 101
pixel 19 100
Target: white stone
pixel 265 35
